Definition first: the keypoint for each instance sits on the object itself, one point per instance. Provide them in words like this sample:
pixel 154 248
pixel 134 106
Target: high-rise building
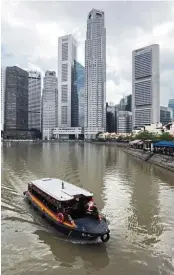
pixel 145 86
pixel 171 105
pixel 34 100
pixel 95 75
pixel 124 122
pixel 79 85
pixel 129 103
pixel 3 82
pixel 16 101
pixel 111 118
pixel 67 95
pixel 49 101
pixel 123 104
pixel 166 115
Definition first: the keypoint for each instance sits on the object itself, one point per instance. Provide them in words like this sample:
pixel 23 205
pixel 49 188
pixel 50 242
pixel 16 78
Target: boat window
pixel 30 187
pixel 76 207
pixel 45 199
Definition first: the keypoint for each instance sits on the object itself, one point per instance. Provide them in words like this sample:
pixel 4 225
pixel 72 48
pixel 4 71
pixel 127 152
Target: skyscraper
pixel 49 101
pixel 67 95
pixel 145 86
pixel 34 100
pixel 124 122
pixel 171 105
pixel 16 101
pixel 95 74
pixel 166 115
pixel 129 103
pixel 79 85
pixel 3 82
pixel 111 118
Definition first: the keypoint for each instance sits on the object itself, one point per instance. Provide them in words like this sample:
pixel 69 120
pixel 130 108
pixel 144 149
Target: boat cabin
pixel 62 197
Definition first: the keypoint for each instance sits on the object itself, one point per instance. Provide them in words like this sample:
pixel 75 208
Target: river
pixel 137 197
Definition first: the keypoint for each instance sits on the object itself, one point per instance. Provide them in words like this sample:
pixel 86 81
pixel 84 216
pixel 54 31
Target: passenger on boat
pixel 91 209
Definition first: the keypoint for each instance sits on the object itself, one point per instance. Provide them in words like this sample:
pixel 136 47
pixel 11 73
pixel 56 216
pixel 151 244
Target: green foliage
pixel 146 135
pixel 166 136
pixel 120 138
pixel 97 135
pixel 153 136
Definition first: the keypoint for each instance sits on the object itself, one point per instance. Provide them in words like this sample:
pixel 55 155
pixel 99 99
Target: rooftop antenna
pixel 62 185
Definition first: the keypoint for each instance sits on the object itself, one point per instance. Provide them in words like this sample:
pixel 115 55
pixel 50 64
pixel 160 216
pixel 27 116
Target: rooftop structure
pixel 60 190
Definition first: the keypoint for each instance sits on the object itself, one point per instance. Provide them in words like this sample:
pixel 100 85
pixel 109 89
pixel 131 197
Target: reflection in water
pixel 137 198
pixel 94 256
pixel 144 204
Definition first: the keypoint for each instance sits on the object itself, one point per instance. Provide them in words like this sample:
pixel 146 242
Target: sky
pixel 30 31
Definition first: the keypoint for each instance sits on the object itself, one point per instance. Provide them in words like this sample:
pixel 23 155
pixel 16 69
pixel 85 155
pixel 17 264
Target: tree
pixel 154 136
pixel 97 135
pixel 120 138
pixel 147 135
pixel 166 136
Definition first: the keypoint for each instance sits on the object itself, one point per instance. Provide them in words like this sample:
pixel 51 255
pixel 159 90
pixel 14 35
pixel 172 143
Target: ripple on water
pixel 136 198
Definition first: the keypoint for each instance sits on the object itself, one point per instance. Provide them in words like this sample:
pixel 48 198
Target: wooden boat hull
pixel 87 228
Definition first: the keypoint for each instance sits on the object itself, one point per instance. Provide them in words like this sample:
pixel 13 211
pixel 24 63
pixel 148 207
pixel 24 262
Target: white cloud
pixel 116 92
pixel 30 32
pixel 33 67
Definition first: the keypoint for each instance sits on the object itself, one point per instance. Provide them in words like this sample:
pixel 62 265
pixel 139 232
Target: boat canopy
pixel 60 190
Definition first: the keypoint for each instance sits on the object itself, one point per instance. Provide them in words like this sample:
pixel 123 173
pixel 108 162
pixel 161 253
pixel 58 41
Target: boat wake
pixel 77 241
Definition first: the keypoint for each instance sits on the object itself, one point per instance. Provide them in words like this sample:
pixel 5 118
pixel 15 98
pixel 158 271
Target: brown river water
pixel 137 198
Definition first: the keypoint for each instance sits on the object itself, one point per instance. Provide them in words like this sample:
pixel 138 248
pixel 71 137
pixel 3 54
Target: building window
pixel 64 51
pixel 64 72
pixel 64 93
pixel 64 113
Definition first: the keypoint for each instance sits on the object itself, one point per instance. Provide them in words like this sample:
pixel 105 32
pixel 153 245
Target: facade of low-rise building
pixel 169 128
pixel 156 128
pixel 62 133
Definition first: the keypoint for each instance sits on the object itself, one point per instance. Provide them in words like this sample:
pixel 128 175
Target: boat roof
pixel 53 187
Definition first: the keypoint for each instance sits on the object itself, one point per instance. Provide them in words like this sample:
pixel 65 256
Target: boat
pixel 69 208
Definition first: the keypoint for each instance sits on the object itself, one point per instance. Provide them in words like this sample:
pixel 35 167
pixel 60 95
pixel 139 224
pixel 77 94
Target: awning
pixel 134 141
pixel 140 143
pixel 169 144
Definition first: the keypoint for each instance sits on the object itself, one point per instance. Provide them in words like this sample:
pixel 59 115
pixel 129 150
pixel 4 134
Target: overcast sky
pixel 30 31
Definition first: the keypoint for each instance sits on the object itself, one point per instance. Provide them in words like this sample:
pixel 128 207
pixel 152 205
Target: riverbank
pixel 115 143
pixel 163 161
pixel 38 141
pixel 111 143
